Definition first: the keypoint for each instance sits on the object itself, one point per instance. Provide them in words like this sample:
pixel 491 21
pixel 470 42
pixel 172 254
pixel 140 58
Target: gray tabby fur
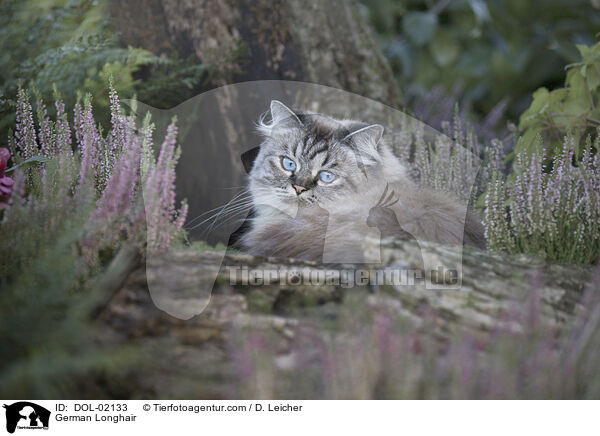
pixel 329 222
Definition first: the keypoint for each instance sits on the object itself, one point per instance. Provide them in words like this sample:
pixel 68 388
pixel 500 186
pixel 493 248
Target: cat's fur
pixel 328 222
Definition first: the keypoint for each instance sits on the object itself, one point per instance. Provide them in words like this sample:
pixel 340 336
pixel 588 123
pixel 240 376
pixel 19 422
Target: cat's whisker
pixel 221 212
pixel 235 209
pixel 230 219
pixel 232 207
pixel 242 196
pixel 235 199
pixel 191 222
pixel 233 187
pixel 227 212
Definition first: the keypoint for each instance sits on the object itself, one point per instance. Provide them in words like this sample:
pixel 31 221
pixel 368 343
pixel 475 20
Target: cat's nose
pixel 299 189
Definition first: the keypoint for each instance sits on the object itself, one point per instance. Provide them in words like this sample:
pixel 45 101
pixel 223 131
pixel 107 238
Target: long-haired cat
pixel 319 185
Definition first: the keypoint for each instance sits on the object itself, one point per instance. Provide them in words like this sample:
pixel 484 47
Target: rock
pixel 206 355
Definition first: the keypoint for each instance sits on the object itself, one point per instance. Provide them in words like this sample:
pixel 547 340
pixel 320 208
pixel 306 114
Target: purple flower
pixel 89 144
pixel 163 220
pixel 62 129
pixel 46 133
pixel 25 129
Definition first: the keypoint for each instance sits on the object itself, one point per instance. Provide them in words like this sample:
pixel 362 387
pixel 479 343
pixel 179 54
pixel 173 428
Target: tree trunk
pixel 325 43
pixel 319 42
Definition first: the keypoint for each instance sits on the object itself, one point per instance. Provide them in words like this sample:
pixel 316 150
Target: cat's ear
pixel 282 118
pixel 281 114
pixel 248 158
pixel 366 139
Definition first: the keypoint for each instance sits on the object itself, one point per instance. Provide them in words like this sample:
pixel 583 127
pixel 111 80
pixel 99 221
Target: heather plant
pixel 6 183
pixel 552 212
pixel 111 166
pixel 451 163
pixel 163 220
pixel 75 202
pixel 47 288
pixel 546 208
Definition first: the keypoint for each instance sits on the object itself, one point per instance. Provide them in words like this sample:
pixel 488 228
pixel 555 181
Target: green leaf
pixel 27 162
pixel 419 27
pixel 577 101
pixel 593 79
pixel 530 142
pixel 584 50
pixel 444 48
pixel 541 97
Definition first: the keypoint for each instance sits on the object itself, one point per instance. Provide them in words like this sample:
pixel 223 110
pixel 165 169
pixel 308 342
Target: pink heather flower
pixel 25 130
pixel 77 123
pixel 6 183
pixel 46 134
pixel 118 132
pixel 62 129
pixel 89 143
pixel 163 221
pixel 111 165
pixel 118 196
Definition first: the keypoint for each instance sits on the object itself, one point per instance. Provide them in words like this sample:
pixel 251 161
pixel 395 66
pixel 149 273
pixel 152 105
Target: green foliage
pixel 493 49
pixel 70 44
pixel 572 109
pixel 27 162
pixel 47 291
pixel 419 26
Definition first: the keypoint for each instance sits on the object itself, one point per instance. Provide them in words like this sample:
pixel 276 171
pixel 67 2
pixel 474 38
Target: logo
pixel 26 415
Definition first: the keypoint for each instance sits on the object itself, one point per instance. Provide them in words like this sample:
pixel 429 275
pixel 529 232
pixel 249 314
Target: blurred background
pixel 488 56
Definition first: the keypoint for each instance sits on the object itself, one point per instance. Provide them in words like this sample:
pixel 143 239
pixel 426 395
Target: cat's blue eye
pixel 326 176
pixel 288 164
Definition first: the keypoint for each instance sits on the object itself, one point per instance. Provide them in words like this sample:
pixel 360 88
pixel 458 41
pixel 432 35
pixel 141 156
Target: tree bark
pixel 320 42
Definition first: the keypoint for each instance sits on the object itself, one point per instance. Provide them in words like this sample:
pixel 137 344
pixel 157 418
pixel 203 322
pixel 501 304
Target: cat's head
pixel 308 158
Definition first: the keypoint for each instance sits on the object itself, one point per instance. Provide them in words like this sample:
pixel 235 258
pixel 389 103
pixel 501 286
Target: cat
pixel 316 185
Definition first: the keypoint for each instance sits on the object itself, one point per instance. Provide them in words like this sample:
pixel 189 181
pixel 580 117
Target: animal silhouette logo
pixel 26 415
pixel 383 217
pixel 217 126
